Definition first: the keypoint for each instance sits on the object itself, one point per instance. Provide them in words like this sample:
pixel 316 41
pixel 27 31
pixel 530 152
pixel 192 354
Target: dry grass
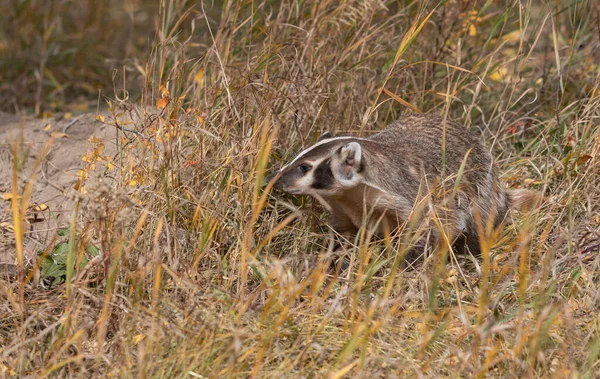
pixel 203 273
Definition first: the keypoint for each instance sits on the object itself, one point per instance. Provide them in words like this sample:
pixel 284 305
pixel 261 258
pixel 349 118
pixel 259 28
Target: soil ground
pixel 53 179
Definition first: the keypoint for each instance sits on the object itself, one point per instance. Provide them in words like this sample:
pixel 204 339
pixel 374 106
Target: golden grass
pixel 203 273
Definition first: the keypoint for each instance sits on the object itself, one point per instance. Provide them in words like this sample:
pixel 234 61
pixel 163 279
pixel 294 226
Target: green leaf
pixel 92 250
pixel 59 253
pixel 84 262
pixel 51 269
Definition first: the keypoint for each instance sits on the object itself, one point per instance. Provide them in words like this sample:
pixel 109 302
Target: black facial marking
pixel 323 176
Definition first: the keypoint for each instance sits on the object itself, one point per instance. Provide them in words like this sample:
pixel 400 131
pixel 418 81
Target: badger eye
pixel 304 168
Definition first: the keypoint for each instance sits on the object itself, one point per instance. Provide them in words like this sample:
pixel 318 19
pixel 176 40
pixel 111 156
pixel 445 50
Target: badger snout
pixel 273 176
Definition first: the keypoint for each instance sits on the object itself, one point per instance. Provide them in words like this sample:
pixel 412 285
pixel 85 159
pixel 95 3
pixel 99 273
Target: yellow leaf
pixel 512 36
pixel 68 116
pixel 7 196
pixel 59 135
pixel 137 339
pixel 199 78
pixel 40 208
pixel 99 150
pixel 472 30
pixel 161 103
pixel 94 139
pixel 133 183
pixel 99 118
pixel 164 92
pixel 47 127
pixel 499 75
pixel 199 75
pixel 496 77
pixel 582 159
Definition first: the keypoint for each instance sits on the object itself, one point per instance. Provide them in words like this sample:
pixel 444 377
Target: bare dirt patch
pixel 53 179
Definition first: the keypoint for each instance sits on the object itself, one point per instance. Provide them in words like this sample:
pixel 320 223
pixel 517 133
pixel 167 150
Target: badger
pixel 419 169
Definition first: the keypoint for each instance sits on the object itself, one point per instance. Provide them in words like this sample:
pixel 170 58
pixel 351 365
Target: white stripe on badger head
pixel 323 142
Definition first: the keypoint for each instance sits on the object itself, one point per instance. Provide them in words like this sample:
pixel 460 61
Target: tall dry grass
pixel 203 273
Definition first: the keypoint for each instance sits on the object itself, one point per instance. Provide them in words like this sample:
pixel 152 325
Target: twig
pixel 70 123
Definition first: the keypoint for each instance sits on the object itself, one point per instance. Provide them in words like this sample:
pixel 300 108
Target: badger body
pixel 407 172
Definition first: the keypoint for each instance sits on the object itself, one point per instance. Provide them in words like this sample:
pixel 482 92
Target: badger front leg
pixel 343 231
pixel 341 237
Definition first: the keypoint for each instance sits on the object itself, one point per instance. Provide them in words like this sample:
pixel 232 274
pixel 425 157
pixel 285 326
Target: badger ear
pixel 349 156
pixel 325 135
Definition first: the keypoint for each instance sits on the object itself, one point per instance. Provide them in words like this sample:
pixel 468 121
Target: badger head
pixel 327 168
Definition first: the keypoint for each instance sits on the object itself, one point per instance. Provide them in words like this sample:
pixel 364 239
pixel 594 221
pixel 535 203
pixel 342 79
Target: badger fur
pixel 405 173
